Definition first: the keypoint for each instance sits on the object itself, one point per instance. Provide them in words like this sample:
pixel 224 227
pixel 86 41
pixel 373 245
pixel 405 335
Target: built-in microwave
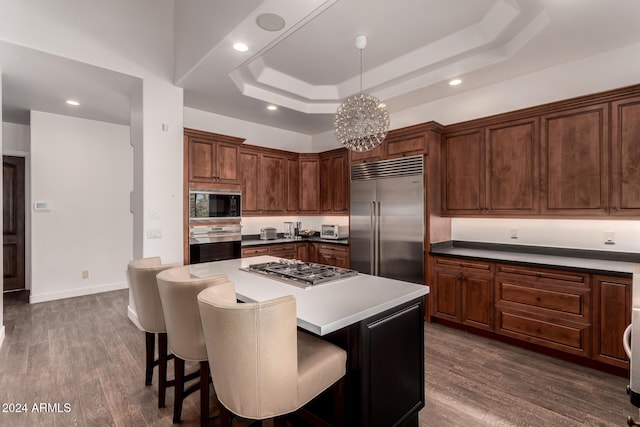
pixel 215 205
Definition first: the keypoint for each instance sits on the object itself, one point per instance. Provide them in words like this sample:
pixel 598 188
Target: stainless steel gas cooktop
pixel 302 274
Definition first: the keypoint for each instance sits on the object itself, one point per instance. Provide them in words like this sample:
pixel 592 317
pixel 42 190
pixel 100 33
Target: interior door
pixel 13 222
pixel 401 207
pixel 363 194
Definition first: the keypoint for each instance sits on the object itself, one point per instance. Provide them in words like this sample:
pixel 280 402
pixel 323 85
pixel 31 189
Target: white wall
pixel 252 225
pixel 134 38
pixel 15 137
pixel 255 134
pixel 83 169
pixel 564 233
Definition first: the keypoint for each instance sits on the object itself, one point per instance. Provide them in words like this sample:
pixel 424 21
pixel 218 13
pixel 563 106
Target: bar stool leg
pixel 162 369
pixel 150 339
pixel 178 363
pixel 204 393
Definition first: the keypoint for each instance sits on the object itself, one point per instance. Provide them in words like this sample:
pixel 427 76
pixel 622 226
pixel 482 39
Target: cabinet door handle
pixel 537 299
pixel 537 330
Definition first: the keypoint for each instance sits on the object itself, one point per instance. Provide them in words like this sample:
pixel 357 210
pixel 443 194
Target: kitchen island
pixel 378 321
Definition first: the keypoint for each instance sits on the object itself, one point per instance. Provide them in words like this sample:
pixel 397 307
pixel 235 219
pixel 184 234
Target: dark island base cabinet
pixel 385 373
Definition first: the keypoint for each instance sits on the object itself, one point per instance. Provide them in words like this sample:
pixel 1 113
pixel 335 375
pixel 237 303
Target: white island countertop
pixel 323 308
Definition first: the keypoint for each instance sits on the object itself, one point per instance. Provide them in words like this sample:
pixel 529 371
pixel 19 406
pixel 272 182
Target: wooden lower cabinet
pixel 534 327
pixel 283 250
pixel 302 252
pixel 321 253
pixel 612 315
pixel 254 251
pixel 572 312
pixel 463 292
pixel 334 255
pixel 547 307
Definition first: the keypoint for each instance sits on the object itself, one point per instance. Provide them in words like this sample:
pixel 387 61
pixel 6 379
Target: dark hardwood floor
pixel 86 353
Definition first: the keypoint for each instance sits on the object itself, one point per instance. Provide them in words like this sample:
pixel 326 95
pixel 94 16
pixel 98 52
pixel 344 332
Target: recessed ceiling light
pixel 272 107
pixel 72 102
pixel 455 82
pixel 270 22
pixel 240 47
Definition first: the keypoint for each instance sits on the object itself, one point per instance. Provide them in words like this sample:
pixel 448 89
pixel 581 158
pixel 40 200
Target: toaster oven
pixel 335 232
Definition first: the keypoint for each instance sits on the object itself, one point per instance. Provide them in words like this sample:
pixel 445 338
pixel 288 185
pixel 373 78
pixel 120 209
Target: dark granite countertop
pixel 254 240
pixel 588 261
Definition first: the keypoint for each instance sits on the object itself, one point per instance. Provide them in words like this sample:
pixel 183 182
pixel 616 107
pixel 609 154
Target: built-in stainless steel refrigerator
pixel 387 218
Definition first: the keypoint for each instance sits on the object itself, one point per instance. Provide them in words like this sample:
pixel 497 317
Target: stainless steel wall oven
pixel 209 243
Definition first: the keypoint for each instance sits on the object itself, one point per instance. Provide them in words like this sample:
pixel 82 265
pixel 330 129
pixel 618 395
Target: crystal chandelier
pixel 362 121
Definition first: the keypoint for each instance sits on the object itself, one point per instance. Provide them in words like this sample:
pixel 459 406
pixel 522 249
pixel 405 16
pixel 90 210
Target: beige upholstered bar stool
pixel 142 279
pixel 178 293
pixel 262 366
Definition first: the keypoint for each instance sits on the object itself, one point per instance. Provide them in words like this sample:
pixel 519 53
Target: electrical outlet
pixel 609 238
pixel 154 234
pixel 85 274
pixel 513 233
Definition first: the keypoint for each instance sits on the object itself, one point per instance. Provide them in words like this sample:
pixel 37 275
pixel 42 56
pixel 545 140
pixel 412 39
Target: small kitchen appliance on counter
pixel 336 232
pixel 292 230
pixel 268 233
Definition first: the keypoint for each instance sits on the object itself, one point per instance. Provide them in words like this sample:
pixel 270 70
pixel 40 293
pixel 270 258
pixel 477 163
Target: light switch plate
pixel 41 206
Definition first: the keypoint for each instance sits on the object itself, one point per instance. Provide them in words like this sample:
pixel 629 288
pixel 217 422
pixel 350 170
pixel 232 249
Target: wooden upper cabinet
pixel 463 173
pixel 212 158
pixel 263 179
pixel 326 182
pixel 201 160
pixel 575 162
pixel 334 182
pixel 341 178
pixel 309 183
pixel 407 141
pixel 374 155
pixel 512 167
pixel 293 184
pixel 249 181
pixel 273 173
pixel 625 157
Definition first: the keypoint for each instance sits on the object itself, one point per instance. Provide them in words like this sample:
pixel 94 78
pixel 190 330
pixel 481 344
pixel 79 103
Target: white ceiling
pixel 34 80
pixel 307 68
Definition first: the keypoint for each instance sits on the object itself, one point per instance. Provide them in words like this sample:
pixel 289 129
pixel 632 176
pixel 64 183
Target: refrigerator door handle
pixel 378 240
pixel 373 238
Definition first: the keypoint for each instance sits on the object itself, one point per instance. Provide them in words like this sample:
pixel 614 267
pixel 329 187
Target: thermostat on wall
pixel 41 206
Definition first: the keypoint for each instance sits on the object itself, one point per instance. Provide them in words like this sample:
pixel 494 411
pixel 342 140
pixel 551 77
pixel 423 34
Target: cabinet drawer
pixel 333 248
pixel 283 251
pixel 542 274
pixel 571 337
pixel 572 303
pixel 276 249
pixel 464 263
pixel 247 252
